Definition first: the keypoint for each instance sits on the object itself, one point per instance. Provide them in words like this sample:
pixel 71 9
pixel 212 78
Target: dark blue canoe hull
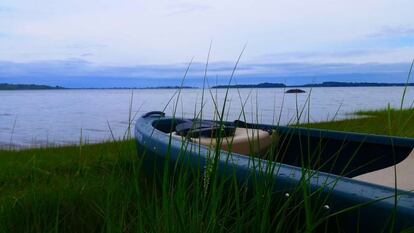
pixel 333 180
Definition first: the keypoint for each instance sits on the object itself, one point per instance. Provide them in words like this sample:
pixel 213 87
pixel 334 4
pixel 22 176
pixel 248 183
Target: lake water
pixel 33 118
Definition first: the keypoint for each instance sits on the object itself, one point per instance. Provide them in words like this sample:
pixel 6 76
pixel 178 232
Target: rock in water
pixel 295 91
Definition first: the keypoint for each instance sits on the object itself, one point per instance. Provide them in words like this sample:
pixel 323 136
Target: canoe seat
pixel 245 141
pixel 385 177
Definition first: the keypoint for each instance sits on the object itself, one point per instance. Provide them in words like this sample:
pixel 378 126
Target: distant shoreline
pixel 324 84
pixel 7 86
pixel 12 87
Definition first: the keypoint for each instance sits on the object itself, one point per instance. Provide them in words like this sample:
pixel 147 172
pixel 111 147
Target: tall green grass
pixel 105 189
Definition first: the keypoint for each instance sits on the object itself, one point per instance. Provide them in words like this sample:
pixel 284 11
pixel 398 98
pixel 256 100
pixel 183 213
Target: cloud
pixel 300 56
pixel 87 54
pixel 86 45
pixel 393 31
pixel 161 32
pixel 4 9
pixel 80 73
pixel 187 7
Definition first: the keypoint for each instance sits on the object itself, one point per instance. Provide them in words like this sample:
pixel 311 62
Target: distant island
pixel 7 86
pixel 324 84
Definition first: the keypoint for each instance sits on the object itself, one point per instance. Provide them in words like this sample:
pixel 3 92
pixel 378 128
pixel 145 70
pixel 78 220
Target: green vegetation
pixel 384 121
pixel 67 189
pixel 103 188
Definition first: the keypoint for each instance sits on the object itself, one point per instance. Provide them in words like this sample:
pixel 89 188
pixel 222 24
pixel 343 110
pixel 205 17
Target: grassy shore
pixel 102 188
pixel 385 122
pixel 71 188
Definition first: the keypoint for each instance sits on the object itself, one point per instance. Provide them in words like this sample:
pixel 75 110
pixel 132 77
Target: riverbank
pixel 102 188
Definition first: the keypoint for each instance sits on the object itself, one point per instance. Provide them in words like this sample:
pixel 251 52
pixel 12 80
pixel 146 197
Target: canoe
pixel 345 166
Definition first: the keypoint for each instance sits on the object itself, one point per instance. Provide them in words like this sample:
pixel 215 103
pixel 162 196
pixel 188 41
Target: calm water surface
pixel 32 118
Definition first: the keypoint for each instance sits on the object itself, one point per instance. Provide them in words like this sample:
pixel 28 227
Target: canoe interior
pixel 340 153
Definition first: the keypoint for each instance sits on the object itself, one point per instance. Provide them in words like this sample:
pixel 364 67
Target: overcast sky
pixel 163 32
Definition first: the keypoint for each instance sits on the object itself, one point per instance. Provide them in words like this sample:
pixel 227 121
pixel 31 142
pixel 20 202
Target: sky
pixel 107 43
